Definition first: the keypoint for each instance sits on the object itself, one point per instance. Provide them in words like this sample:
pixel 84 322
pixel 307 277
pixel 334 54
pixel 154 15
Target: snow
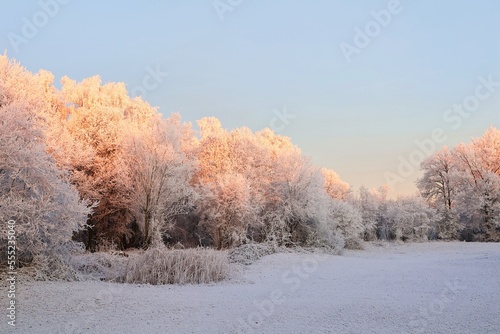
pixel 388 288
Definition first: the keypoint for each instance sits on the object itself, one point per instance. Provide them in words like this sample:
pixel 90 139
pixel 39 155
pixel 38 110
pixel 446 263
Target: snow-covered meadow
pixel 437 287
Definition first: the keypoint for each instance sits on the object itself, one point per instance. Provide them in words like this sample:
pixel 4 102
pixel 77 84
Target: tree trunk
pixel 147 229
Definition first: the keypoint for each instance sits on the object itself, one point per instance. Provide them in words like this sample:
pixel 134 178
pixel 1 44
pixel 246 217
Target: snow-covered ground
pixel 388 288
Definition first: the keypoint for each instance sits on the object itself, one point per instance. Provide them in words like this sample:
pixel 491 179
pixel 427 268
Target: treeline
pixel 88 163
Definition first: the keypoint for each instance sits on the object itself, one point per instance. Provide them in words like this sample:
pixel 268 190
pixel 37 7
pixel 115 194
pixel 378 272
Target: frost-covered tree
pixel 347 218
pixel 439 183
pixel 334 186
pixel 227 209
pixel 160 176
pixel 34 192
pixel 462 184
pixel 298 203
pixel 410 218
pixel 214 153
pixel 479 208
pixel 97 120
pixel 372 205
pixel 226 203
pixel 439 186
pixel 478 199
pixel 284 199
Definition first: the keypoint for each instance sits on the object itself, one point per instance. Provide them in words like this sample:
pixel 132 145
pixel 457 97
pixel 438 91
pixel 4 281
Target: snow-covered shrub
pixel 251 252
pixel 328 240
pixel 54 268
pixel 159 266
pixel 274 228
pixel 107 266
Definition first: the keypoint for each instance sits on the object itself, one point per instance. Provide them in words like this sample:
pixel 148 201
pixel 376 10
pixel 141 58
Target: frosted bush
pixel 249 253
pixel 159 266
pixel 102 266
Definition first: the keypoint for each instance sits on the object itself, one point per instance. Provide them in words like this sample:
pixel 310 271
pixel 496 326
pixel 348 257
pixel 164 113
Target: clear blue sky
pixel 355 117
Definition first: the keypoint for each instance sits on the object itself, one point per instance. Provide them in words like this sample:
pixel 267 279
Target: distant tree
pixel 463 185
pixel 299 204
pixel 478 201
pixel 372 205
pixel 439 186
pixel 410 218
pixel 280 195
pixel 347 218
pixel 334 186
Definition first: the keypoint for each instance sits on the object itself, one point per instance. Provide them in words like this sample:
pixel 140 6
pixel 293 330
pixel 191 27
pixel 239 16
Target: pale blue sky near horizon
pixel 356 117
